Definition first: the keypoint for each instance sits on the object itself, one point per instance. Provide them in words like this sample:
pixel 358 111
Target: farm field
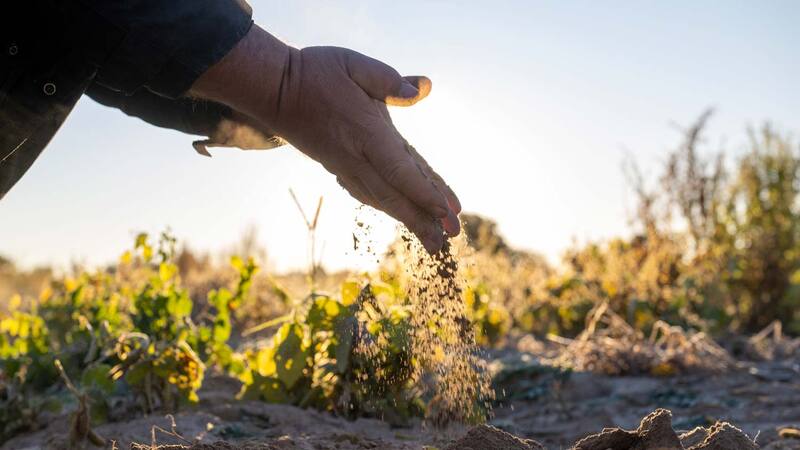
pixel 685 337
pixel 557 411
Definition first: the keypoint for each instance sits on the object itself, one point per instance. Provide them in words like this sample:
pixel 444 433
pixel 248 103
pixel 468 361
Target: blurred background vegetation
pixel 714 247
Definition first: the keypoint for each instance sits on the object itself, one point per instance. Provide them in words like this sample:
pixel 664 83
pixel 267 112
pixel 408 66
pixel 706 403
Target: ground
pixel 550 406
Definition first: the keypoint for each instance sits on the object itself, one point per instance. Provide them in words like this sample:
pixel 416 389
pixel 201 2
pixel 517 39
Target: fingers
pixel 383 83
pixel 451 223
pixel 390 156
pixel 452 199
pixel 370 185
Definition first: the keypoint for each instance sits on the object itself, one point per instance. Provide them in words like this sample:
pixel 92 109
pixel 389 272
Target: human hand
pixel 330 103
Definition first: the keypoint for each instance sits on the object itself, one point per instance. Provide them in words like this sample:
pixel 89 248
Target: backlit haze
pixel 534 107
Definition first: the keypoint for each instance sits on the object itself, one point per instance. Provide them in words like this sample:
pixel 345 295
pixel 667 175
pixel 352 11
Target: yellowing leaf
pixel 46 294
pixel 331 308
pixel 350 292
pixel 167 271
pixel 70 284
pixel 237 263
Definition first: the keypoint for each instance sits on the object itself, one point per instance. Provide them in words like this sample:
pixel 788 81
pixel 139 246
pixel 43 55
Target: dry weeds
pixel 609 345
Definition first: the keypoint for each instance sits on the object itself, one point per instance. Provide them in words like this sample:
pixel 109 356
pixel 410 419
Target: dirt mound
pixel 485 437
pixel 655 433
pixel 724 436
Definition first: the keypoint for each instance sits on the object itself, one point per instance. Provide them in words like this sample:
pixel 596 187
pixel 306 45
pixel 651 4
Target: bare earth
pixel 544 405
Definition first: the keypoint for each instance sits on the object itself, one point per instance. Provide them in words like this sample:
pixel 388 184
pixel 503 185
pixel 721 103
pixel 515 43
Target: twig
pixel 268 324
pixel 173 432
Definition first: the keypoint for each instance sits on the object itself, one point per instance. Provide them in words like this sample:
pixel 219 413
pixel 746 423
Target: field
pixel 696 313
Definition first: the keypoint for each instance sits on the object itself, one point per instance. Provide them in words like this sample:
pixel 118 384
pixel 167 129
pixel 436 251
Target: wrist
pixel 249 77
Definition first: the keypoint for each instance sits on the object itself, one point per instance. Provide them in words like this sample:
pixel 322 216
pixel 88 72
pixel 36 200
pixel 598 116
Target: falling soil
pixel 450 368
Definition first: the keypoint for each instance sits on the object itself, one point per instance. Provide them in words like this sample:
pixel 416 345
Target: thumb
pixel 383 83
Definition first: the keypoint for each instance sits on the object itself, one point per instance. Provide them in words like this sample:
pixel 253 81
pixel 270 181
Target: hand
pixel 330 103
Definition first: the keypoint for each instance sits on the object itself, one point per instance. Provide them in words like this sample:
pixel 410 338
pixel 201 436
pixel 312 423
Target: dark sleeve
pixel 166 45
pixel 219 123
pixel 198 117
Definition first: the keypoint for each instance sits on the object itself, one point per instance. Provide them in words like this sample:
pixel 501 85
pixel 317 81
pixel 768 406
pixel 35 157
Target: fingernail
pixel 451 224
pixel 408 91
pixel 454 203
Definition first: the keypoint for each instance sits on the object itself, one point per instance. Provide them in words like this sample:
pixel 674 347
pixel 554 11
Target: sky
pixel 534 107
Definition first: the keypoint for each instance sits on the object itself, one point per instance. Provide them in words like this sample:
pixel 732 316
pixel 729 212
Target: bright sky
pixel 534 106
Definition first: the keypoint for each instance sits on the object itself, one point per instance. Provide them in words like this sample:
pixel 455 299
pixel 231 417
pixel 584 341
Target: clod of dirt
pixel 724 436
pixel 694 437
pixel 485 437
pixel 655 433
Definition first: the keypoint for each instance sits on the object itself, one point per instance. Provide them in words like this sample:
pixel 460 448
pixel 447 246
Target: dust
pixel 443 341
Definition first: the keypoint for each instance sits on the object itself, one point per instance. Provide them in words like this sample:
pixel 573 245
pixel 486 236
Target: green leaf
pixel 222 330
pixel 291 354
pixel 265 361
pixel 97 377
pixel 345 336
pixel 179 305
